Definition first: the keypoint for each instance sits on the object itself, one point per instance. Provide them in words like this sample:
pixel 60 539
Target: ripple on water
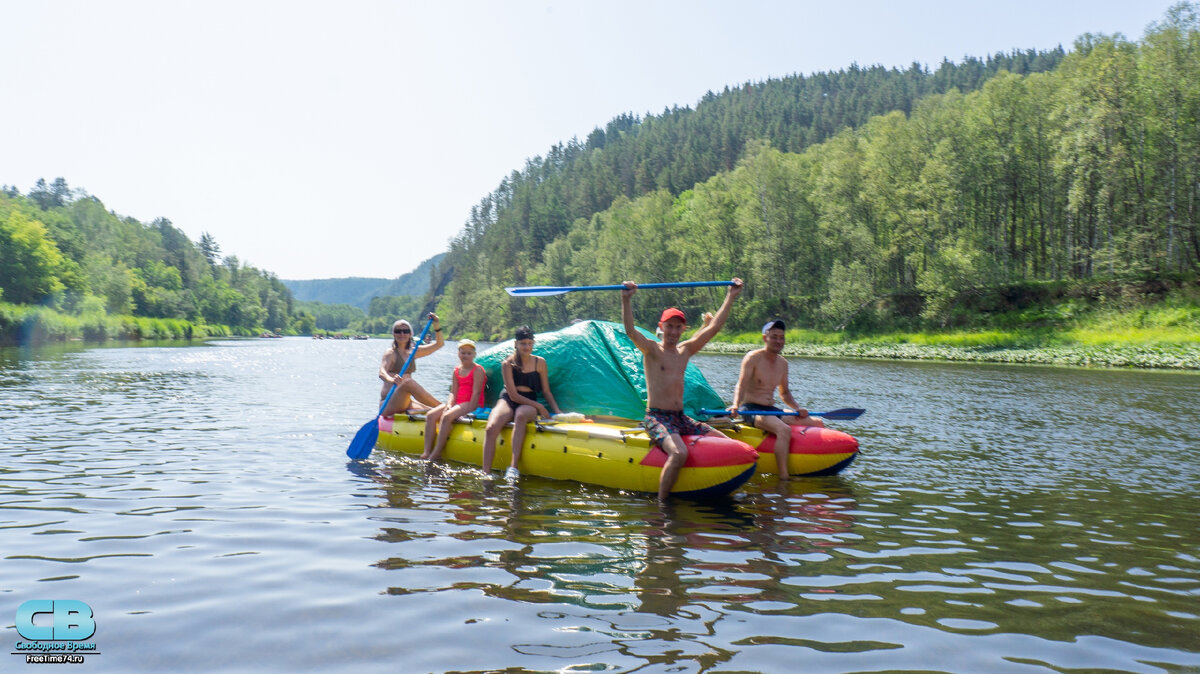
pixel 198 490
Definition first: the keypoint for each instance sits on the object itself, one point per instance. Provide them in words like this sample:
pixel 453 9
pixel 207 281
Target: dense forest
pixel 830 192
pixel 61 249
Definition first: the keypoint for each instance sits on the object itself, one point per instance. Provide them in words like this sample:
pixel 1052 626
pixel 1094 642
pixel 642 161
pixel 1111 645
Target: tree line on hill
pixel 829 192
pixel 61 248
pixel 381 312
pixel 358 291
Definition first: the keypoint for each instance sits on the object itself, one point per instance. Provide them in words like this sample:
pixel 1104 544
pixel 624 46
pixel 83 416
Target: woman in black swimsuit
pixel 525 376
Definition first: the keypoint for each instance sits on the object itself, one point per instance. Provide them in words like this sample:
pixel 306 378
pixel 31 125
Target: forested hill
pixel 62 250
pixel 358 291
pixel 353 290
pixel 507 231
pixel 832 193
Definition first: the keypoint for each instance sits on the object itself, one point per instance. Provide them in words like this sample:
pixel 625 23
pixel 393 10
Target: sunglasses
pixel 402 331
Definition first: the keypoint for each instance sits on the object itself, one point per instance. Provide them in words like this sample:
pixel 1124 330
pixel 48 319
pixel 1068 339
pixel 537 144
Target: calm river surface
pixel 199 500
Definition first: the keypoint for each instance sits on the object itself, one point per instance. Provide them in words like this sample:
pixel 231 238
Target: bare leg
pixel 431 421
pixel 448 418
pixel 806 421
pixel 677 453
pixel 398 403
pixel 408 391
pixel 783 441
pixel 501 414
pixel 418 393
pixel 524 414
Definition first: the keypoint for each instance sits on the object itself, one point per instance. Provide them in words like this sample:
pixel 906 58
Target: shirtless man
pixel 763 371
pixel 665 364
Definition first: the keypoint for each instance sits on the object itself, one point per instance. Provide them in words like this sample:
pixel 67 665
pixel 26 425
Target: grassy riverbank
pixel 1163 336
pixel 21 324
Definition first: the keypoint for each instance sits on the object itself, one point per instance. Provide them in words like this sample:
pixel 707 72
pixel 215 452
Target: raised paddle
pixel 547 291
pixel 844 414
pixel 364 440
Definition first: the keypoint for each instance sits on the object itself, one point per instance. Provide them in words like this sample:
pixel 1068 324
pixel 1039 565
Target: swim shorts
pixel 747 410
pixel 662 423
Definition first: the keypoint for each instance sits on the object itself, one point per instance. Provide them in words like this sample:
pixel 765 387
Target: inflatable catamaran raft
pixel 595 369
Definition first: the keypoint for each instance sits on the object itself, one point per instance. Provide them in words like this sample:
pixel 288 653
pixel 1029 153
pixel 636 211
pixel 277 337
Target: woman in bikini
pixel 408 392
pixel 525 376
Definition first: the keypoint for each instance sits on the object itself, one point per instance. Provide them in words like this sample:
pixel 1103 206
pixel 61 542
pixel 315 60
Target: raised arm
pixel 426 349
pixel 710 329
pixel 639 340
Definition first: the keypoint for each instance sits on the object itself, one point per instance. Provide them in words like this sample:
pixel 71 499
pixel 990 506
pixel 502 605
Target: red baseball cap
pixel 673 312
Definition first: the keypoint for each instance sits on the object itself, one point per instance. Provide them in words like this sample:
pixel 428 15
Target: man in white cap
pixel 763 371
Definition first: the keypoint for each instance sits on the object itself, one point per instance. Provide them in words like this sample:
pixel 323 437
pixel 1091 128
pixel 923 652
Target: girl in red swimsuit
pixel 466 395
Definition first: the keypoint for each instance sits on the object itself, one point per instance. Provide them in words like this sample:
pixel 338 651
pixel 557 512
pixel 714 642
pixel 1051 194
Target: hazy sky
pixel 351 138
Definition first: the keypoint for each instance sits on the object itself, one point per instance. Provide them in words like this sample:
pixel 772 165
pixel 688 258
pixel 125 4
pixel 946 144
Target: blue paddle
pixel 844 414
pixel 364 439
pixel 547 291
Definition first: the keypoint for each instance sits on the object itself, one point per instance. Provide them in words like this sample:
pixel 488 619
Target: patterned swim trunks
pixel 662 423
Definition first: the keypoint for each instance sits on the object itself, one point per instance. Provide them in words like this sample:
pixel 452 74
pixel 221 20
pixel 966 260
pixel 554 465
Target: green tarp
pixel 596 369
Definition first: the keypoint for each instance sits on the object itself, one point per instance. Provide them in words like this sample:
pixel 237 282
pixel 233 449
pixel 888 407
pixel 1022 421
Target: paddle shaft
pixel 541 291
pixel 844 413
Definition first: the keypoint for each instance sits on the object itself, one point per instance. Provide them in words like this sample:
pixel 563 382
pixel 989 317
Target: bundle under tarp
pixel 596 369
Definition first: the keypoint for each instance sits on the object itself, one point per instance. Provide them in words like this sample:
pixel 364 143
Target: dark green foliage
pixel 843 198
pixel 331 316
pixel 392 308
pixel 64 250
pixel 509 232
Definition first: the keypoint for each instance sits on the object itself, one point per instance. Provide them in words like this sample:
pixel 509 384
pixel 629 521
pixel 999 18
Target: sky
pixel 334 139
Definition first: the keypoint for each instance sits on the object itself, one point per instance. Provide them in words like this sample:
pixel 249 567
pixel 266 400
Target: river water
pixel 198 499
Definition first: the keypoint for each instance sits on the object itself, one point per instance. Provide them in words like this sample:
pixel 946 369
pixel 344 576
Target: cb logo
pixel 72 620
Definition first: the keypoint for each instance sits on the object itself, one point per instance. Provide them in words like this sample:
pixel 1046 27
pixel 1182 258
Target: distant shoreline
pixel 1177 358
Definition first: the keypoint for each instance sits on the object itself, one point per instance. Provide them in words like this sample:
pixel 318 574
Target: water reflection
pixel 668 585
pixel 198 490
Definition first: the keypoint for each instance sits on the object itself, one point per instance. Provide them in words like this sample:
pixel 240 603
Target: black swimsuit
pixel 529 380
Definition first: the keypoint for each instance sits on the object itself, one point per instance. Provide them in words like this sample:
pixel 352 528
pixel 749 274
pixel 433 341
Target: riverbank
pixel 1140 357
pixel 31 325
pixel 1120 329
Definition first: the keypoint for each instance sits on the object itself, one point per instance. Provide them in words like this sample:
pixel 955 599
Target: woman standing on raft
pixel 407 389
pixel 525 375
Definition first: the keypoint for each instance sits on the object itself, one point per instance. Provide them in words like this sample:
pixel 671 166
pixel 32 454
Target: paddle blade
pixel 844 414
pixel 364 440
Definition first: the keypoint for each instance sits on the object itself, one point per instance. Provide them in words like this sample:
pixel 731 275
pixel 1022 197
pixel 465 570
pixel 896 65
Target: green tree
pixel 30 263
pixel 210 249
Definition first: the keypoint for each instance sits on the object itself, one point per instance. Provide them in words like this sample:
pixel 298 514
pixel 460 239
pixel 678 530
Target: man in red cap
pixel 665 364
pixel 763 371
